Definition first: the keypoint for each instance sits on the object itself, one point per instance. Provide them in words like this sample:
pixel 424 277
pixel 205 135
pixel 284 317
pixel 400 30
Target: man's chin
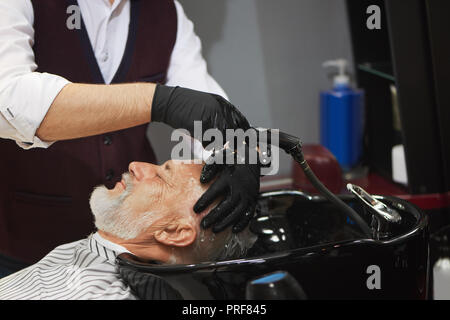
pixel 110 215
pixel 102 202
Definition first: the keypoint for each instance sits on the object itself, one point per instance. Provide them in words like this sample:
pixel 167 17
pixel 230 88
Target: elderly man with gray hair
pixel 147 214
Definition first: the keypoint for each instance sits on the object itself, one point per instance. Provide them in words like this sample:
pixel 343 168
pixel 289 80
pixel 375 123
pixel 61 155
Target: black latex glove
pixel 239 183
pixel 180 107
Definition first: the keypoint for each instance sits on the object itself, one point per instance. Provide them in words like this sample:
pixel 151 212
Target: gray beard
pixel 113 217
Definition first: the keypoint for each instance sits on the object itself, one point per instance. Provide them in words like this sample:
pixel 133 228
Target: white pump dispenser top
pixel 342 78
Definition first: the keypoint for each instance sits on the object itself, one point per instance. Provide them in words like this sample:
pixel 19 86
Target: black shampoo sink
pixel 322 248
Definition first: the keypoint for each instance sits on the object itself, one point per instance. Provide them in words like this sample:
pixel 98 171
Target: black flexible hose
pixel 292 145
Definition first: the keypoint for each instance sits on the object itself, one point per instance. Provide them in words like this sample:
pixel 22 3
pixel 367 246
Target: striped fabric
pixel 83 269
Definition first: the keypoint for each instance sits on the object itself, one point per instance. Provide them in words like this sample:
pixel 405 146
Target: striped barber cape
pixel 79 270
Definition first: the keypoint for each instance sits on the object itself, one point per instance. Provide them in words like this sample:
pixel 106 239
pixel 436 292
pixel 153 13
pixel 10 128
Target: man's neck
pixel 118 249
pixel 148 249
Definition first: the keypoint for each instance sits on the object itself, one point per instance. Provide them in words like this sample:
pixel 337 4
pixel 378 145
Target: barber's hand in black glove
pixel 239 184
pixel 179 107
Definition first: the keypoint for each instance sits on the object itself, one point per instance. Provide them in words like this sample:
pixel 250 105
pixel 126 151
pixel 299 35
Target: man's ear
pixel 179 234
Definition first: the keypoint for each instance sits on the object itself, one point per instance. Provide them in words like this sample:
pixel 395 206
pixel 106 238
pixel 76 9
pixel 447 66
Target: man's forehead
pixel 186 167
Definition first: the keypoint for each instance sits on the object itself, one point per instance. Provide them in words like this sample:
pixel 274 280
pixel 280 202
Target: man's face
pixel 146 194
pixel 152 207
pixel 169 187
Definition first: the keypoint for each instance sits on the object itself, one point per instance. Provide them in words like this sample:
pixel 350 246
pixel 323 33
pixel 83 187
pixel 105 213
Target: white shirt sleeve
pixel 187 67
pixel 25 95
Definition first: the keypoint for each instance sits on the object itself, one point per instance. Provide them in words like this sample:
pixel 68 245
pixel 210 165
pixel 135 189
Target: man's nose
pixel 142 170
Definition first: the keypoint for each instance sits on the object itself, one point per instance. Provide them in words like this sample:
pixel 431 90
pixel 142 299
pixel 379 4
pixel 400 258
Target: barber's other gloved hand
pixel 179 107
pixel 239 185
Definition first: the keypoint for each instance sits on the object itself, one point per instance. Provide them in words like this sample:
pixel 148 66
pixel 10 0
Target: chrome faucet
pixel 383 217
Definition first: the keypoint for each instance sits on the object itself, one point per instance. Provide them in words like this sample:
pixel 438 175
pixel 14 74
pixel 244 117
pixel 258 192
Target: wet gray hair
pixel 233 246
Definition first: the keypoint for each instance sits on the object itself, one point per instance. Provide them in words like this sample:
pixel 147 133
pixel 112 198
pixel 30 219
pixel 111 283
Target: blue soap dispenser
pixel 342 118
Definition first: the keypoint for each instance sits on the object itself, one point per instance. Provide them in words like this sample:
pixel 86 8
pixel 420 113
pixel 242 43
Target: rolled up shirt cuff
pixel 26 101
pixel 36 143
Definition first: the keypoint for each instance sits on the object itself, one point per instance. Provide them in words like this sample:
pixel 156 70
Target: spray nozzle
pixel 341 78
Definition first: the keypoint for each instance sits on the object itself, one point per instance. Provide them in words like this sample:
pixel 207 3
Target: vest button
pixel 109 175
pixel 107 140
